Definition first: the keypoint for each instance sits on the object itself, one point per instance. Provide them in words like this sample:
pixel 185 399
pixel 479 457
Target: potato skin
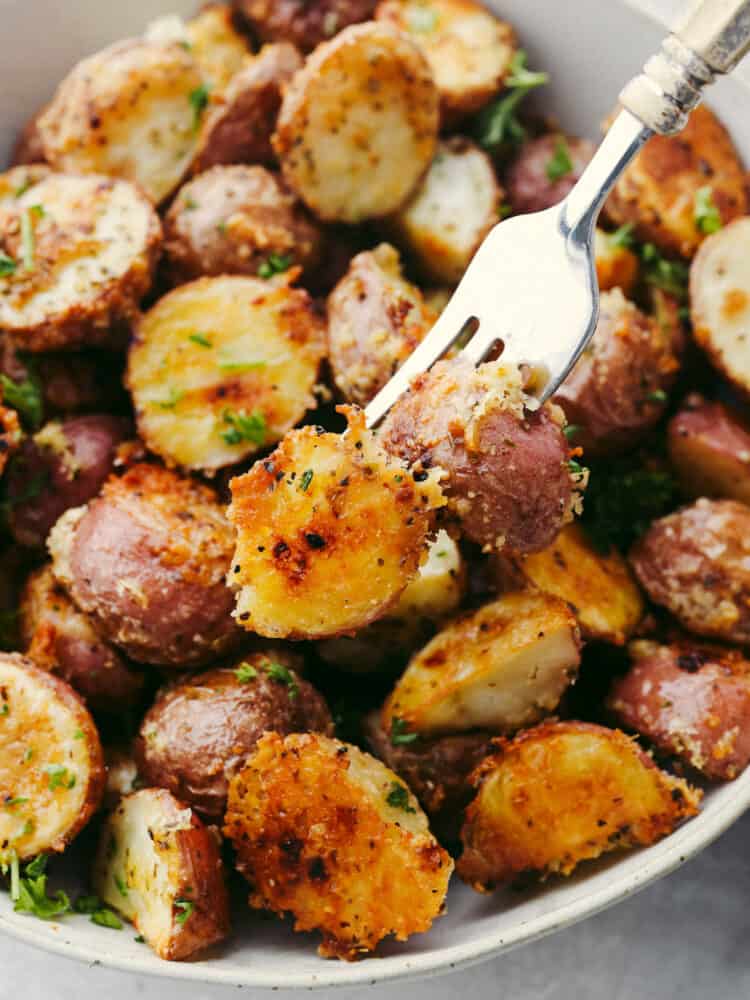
pixel 199 731
pixel 709 449
pixel 617 390
pixel 657 191
pixel 229 220
pixel 507 475
pixel 300 22
pixel 690 701
pixel 563 793
pixel 375 320
pixel 317 837
pixel 695 563
pixel 242 117
pixel 147 560
pixel 528 187
pixel 59 638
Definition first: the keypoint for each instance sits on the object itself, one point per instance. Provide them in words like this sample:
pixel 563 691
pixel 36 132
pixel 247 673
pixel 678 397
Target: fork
pixel 531 290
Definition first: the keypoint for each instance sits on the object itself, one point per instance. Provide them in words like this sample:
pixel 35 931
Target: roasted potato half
pixel 563 793
pixel 320 828
pixel 330 531
pixel 545 171
pixel 359 97
pixel 709 449
pixel 452 210
pixel 161 868
pixel 301 22
pixel 82 251
pixel 375 320
pixel 468 49
pixel 51 763
pixel 147 561
pixel 680 187
pixel 133 111
pixel 695 563
pixel 499 668
pixel 720 301
pixel 616 265
pixel 222 367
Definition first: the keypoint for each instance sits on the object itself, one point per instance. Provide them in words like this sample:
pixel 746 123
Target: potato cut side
pixel 451 212
pixel 469 50
pixel 439 585
pixel 51 764
pixel 616 265
pixel 160 867
pixel 709 449
pixel 720 301
pixel 358 124
pixel 222 367
pixel 329 533
pixel 210 37
pixel 499 668
pixel 329 834
pixel 563 793
pixel 133 111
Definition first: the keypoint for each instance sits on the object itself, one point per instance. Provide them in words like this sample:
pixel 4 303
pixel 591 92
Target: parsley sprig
pixel 276 263
pixel 25 397
pixel 497 126
pixel 398 797
pixel 244 427
pixel 560 163
pixel 705 212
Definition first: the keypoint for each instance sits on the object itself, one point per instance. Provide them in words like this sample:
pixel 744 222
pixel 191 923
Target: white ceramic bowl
pixel 590 49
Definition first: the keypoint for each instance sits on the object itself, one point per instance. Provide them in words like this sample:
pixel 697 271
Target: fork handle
pixel 712 40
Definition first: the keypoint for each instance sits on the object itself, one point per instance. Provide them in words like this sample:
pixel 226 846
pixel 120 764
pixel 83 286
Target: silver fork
pixel 531 287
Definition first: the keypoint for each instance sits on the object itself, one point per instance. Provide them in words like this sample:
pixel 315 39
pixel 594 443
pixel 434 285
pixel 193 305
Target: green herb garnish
pixel 198 101
pixel 28 240
pixel 283 675
pixel 497 125
pixel 185 909
pixel 106 918
pixel 398 797
pixel 400 735
pixel 245 673
pixel 706 213
pixel 59 777
pixel 7 265
pixel 669 275
pixel 241 366
pixel 17 801
pixel 560 164
pixel 121 887
pixel 571 430
pixel 31 893
pixel 25 397
pixel 622 237
pixel 305 479
pixel 276 263
pixel 174 397
pixel 657 396
pixel 244 427
pixel 200 339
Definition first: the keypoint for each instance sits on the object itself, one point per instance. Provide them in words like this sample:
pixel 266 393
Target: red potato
pixel 62 466
pixel 545 171
pixel 709 449
pixel 301 22
pixel 690 701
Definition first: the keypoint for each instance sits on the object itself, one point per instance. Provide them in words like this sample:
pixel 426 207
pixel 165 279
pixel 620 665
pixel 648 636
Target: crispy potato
pixel 131 111
pixel 211 37
pixel 375 320
pixel 358 98
pixel 709 449
pixel 468 49
pixel 199 731
pixel 241 118
pixel 499 668
pixel 10 434
pixel 85 249
pixel 62 466
pixel 122 776
pixel 720 301
pixel 301 22
pixel 147 561
pixel 237 220
pixel 616 265
pixel 51 763
pixel 330 531
pixel 563 793
pixel 222 367
pixel 530 187
pixel 689 701
pixel 618 389
pixel 451 212
pixel 659 191
pixel 696 563
pixel 59 638
pixel 320 828
pixel 161 868
pixel 507 474
pixel 599 588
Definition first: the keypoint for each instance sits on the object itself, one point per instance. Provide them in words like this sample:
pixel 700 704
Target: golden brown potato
pixel 211 37
pixel 709 449
pixel 538 178
pixel 358 99
pixel 680 187
pixel 147 561
pixel 499 668
pixel 320 828
pixel 161 868
pixel 51 764
pixel 616 265
pixel 599 588
pixel 563 793
pixel 720 301
pixel 618 388
pixel 10 433
pixel 222 367
pixel 82 253
pixel 301 22
pixel 133 111
pixel 241 118
pixel 238 220
pixel 695 563
pixel 329 533
pixel 468 49
pixel 375 320
pixel 451 211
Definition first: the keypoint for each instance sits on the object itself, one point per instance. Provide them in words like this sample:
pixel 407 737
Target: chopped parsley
pixel 669 275
pixel 106 918
pixel 185 909
pixel 283 675
pixel 276 263
pixel 7 265
pixel 400 735
pixel 121 887
pixel 398 797
pixel 59 777
pixel 571 430
pixel 245 673
pixel 25 397
pixel 497 125
pixel 305 479
pixel 78 734
pixel 240 366
pixel 87 904
pixel 23 187
pixel 28 239
pixel 622 238
pixel 174 397
pixel 200 339
pixel 244 427
pixel 657 396
pixel 17 801
pixel 560 164
pixel 422 19
pixel 705 212
pixel 198 101
pixel 28 891
pixel 575 468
